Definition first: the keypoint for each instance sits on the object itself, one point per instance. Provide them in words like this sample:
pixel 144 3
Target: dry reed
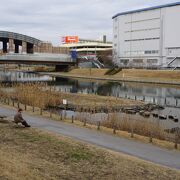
pixel 33 94
pixel 42 96
pixel 138 126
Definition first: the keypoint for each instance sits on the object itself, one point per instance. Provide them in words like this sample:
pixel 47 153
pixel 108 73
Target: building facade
pixel 148 38
pixel 85 47
pixel 90 53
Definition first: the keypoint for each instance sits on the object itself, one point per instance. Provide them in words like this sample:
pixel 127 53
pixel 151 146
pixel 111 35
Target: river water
pixel 167 96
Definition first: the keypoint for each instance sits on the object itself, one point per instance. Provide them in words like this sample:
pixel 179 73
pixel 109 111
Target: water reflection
pixel 8 77
pixel 166 96
pixel 162 95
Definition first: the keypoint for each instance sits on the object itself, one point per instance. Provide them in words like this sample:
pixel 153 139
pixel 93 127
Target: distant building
pixel 147 37
pixel 88 47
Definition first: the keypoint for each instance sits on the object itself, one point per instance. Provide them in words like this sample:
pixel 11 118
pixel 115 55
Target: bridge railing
pixel 37 57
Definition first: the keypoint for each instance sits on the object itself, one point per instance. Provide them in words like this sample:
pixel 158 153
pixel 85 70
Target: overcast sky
pixel 49 20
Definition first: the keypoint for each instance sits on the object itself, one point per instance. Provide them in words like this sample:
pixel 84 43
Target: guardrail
pixel 37 57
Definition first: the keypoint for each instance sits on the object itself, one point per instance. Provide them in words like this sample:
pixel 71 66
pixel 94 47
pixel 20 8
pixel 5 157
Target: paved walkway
pixel 170 158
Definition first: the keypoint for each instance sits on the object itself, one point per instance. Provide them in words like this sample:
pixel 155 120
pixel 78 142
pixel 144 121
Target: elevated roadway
pixel 22 49
pixel 52 59
pixel 61 61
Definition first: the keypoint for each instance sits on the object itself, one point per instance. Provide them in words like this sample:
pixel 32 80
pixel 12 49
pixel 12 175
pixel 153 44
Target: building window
pixel 152 61
pixel 138 60
pixel 124 61
pixel 147 52
pixel 133 52
pixel 155 52
pixel 151 52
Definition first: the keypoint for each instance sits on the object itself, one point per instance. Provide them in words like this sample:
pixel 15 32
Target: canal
pixel 167 96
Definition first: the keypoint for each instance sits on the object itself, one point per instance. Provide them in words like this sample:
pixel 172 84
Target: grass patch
pixel 113 71
pixel 80 155
pixel 33 154
pixel 136 75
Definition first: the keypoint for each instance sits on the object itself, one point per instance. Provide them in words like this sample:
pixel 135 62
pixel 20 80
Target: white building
pixel 89 47
pixel 147 37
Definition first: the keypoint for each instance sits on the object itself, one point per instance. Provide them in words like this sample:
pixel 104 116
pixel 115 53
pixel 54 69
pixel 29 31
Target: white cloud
pixel 51 19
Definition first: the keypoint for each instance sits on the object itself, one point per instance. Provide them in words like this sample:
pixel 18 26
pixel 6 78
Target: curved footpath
pixel 169 158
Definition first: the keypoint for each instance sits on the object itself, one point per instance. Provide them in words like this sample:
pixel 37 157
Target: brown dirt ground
pixel 32 154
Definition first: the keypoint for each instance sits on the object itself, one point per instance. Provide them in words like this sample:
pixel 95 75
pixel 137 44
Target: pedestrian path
pixel 149 152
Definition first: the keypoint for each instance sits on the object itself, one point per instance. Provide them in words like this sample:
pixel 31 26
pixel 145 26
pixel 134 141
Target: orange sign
pixel 70 39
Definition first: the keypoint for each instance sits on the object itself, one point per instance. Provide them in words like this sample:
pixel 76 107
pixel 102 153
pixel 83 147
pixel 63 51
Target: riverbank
pixel 34 154
pixel 77 121
pixel 130 75
pixel 85 107
pixel 39 95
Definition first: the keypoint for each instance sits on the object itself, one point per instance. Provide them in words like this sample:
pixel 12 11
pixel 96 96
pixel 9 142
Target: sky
pixel 49 20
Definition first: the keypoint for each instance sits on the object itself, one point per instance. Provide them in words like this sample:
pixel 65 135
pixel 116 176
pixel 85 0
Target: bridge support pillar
pixel 16 48
pixel 30 48
pixel 61 68
pixel 4 46
pixel 24 47
pixel 11 46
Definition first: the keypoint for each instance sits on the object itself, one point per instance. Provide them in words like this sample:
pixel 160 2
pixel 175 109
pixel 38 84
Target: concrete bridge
pixel 21 49
pixel 11 42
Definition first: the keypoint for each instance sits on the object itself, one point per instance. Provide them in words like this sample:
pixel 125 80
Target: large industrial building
pixel 148 37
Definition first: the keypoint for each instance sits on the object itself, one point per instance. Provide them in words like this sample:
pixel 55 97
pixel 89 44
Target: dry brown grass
pixel 155 74
pixel 40 95
pixel 43 69
pixel 138 126
pixel 96 100
pixel 88 72
pixel 31 154
pixel 158 76
pixel 34 94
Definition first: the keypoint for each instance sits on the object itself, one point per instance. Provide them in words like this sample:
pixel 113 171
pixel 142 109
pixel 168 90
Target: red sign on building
pixel 70 39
